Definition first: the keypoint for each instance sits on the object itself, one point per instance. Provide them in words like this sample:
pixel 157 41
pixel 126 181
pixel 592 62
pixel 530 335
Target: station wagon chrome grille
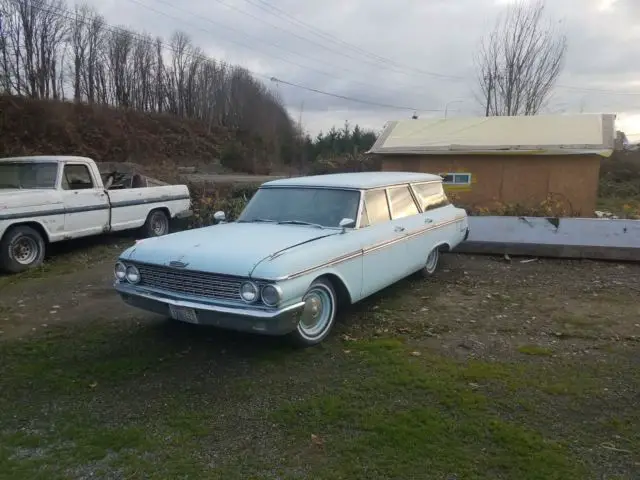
pixel 189 282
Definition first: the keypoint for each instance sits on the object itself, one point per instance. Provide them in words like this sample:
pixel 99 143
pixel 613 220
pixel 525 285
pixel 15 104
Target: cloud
pixel 406 53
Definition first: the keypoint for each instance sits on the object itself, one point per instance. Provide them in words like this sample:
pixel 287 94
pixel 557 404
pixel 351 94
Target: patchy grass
pixel 162 401
pixel 447 378
pixel 536 350
pixel 623 207
pixel 72 256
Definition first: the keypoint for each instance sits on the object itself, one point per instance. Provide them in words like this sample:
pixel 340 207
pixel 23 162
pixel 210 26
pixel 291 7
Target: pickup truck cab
pixel 46 199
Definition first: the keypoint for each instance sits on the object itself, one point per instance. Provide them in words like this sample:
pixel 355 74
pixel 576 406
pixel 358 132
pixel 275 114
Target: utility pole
pixel 300 117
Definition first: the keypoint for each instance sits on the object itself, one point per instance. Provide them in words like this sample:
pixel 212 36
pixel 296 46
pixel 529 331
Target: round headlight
pixel 120 271
pixel 271 295
pixel 133 274
pixel 249 292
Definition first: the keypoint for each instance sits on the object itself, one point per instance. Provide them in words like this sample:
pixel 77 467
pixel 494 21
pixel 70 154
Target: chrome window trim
pixel 365 250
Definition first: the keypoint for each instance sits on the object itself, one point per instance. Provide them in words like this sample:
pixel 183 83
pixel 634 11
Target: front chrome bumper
pixel 268 322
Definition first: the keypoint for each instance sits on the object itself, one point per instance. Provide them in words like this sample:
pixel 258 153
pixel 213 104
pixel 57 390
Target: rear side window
pixel 431 195
pixel 376 208
pixel 402 203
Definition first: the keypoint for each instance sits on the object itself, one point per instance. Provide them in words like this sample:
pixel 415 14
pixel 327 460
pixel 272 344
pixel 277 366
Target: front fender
pixel 348 273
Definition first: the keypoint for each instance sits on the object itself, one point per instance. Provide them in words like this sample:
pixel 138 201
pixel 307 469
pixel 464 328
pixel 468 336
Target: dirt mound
pixel 158 142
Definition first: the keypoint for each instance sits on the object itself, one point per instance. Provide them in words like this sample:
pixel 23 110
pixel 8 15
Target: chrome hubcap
pixel 24 250
pixel 316 314
pixel 432 261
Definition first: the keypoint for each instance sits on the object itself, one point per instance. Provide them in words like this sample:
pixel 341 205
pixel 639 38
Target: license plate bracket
pixel 183 314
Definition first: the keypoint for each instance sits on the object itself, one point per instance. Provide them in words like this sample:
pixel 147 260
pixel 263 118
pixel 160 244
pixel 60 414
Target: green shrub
pixel 229 198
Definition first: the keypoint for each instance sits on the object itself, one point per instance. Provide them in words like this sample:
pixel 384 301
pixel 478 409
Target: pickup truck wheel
pixel 431 263
pixel 157 224
pixel 316 319
pixel 21 248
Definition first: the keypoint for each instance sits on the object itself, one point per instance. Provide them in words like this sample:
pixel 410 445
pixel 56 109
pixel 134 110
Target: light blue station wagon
pixel 301 248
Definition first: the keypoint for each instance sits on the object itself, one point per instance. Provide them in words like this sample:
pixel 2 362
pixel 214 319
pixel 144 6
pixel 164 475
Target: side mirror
pixel 219 216
pixel 346 222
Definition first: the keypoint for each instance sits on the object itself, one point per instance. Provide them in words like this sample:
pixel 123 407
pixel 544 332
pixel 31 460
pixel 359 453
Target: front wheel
pixel 157 224
pixel 316 319
pixel 21 248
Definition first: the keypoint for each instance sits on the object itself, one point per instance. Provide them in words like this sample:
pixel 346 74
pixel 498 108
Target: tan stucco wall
pixel 524 179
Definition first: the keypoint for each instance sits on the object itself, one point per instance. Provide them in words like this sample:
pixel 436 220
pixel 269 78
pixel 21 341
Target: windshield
pixel 28 175
pixel 316 206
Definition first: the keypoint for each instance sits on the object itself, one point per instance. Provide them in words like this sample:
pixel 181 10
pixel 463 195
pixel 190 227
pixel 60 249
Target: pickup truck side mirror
pixel 219 216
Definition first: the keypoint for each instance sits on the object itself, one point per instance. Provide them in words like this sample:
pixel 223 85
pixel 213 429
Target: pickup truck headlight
pixel 120 271
pixel 133 274
pixel 271 295
pixel 249 292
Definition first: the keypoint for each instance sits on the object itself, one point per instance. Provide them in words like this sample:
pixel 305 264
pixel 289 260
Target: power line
pixel 72 16
pixel 353 99
pixel 327 37
pixel 379 62
pixel 259 41
pixel 596 90
pixel 263 5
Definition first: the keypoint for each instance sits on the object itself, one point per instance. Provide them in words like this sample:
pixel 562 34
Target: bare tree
pixel 520 60
pixel 46 50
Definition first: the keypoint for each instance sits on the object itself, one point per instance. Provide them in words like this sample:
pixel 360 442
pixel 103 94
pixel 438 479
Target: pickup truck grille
pixel 189 282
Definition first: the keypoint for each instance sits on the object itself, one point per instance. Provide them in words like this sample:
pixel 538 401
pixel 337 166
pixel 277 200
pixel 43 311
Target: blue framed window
pixel 456 178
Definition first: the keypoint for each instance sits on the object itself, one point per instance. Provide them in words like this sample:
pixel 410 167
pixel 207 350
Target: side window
pixel 402 203
pixel 456 178
pixel 431 195
pixel 376 207
pixel 76 177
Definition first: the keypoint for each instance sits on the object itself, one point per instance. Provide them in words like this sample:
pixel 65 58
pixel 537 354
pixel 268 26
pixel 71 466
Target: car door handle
pixel 398 229
pixel 428 220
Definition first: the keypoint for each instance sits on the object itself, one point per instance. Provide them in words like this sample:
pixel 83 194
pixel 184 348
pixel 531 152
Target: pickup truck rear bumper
pixel 253 320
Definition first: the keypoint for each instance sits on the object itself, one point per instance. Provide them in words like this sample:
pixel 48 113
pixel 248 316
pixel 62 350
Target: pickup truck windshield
pixel 28 175
pixel 313 206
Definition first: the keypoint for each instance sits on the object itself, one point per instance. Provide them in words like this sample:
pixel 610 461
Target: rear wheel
pixel 21 248
pixel 431 264
pixel 157 224
pixel 316 319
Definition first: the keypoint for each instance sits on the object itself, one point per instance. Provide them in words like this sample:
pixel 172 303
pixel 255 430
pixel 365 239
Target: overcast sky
pixel 416 54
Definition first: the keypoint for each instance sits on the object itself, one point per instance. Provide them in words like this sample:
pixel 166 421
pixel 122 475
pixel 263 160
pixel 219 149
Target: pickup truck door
pixel 86 204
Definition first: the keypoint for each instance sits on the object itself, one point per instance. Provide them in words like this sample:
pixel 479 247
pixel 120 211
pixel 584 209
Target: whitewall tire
pixel 316 319
pixel 431 264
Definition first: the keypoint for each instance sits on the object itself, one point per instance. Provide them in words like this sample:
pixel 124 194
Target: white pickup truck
pixel 46 199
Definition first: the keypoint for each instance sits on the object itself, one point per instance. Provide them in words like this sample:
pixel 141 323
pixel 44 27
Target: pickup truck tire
pixel 21 248
pixel 318 315
pixel 157 224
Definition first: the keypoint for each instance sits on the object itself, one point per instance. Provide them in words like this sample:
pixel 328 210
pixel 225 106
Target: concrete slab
pixel 589 238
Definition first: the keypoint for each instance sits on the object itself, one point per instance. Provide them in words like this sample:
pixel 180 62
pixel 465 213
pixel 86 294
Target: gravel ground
pixel 536 363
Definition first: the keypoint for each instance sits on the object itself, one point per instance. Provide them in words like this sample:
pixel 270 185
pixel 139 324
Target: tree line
pixel 50 52
pixel 339 142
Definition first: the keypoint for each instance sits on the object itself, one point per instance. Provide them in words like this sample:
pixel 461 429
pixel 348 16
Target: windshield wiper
pixel 257 220
pixel 299 222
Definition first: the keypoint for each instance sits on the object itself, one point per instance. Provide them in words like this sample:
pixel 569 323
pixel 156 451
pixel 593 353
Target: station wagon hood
pixel 230 249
